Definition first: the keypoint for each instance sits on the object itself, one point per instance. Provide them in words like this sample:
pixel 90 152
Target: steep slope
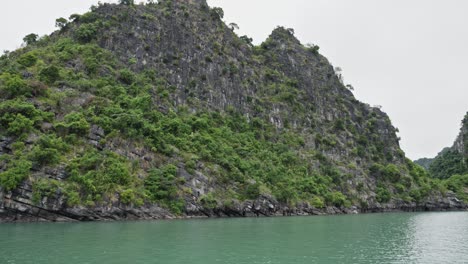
pixel 161 110
pixel 451 164
pixel 453 160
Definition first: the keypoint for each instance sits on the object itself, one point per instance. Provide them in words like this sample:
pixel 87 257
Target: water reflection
pixel 440 238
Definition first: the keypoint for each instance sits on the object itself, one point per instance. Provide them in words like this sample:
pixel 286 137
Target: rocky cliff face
pixel 161 110
pixel 461 143
pixel 452 160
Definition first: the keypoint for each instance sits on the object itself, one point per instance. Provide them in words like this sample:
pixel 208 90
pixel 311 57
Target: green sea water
pixel 366 238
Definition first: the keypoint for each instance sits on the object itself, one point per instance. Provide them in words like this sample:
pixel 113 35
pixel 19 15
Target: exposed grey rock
pixel 181 49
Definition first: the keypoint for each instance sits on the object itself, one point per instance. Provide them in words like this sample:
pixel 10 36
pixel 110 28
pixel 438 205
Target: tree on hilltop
pixel 126 2
pixel 30 38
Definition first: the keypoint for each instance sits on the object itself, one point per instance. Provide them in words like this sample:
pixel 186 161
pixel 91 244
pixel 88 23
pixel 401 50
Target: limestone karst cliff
pixel 161 110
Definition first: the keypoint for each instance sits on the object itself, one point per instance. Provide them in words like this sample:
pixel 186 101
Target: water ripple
pixel 371 238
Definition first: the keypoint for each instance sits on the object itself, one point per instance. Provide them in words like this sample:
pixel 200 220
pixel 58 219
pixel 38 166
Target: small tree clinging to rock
pixel 247 40
pixel 74 17
pixel 30 38
pixel 61 22
pixel 217 12
pixel 233 26
pixel 126 2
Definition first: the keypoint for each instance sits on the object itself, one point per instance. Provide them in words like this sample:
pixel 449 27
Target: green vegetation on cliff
pixel 451 164
pixel 448 163
pixel 152 104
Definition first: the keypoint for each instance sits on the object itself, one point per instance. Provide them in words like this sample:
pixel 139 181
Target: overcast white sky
pixel 411 57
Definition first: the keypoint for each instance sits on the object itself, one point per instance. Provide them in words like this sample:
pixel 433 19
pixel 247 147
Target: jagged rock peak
pixel 462 139
pixel 282 34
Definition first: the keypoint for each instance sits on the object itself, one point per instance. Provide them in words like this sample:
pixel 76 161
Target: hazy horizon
pixel 409 57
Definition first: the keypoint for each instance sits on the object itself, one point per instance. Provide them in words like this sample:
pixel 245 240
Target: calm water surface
pixel 368 238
